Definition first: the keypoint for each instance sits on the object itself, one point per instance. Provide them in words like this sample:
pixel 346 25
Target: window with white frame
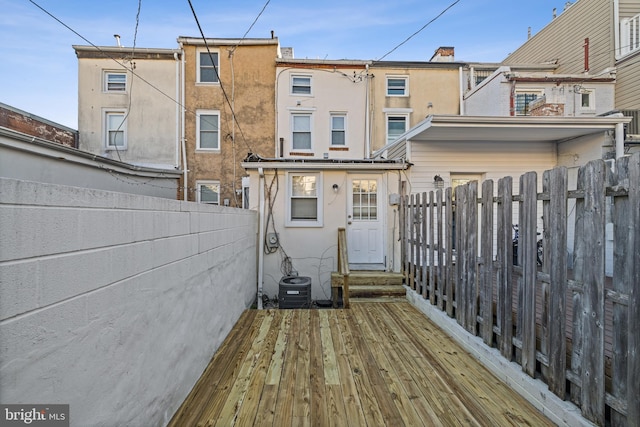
pixel 301 131
pixel 208 67
pixel 397 86
pixel 396 126
pixel 587 99
pixel 115 130
pixel 338 129
pixel 300 85
pixel 208 130
pixel 524 98
pixel 304 207
pixel 208 192
pixel 115 81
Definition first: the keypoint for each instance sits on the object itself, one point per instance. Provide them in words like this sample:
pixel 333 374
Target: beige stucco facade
pixel 242 104
pixel 430 88
pixel 140 85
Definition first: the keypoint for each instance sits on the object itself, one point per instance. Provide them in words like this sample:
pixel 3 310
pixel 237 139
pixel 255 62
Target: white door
pixel 365 222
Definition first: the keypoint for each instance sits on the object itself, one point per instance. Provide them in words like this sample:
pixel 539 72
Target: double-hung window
pixel 208 192
pixel 523 99
pixel 115 130
pixel 396 126
pixel 301 131
pixel 115 81
pixel 208 130
pixel 338 129
pixel 304 205
pixel 300 85
pixel 397 86
pixel 208 67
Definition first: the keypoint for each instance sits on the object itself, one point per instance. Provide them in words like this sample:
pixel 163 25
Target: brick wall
pixel 35 126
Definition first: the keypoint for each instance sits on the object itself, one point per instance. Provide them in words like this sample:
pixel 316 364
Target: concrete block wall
pixel 114 303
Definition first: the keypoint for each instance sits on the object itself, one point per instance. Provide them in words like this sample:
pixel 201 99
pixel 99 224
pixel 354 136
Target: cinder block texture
pixel 115 303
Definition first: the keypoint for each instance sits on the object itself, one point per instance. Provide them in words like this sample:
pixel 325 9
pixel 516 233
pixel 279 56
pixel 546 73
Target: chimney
pixel 555 13
pixel 287 52
pixel 528 33
pixel 443 54
pixel 117 36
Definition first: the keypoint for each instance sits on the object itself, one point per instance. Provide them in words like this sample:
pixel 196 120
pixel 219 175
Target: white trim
pixel 318 222
pixel 200 113
pixel 206 183
pixel 106 112
pixel 105 81
pixel 592 100
pixel 397 77
pixel 303 76
pixel 213 52
pixel 291 127
pixel 342 114
pixel 398 110
pixel 525 91
pixel 386 124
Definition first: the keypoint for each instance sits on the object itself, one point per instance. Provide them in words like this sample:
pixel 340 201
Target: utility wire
pixel 133 51
pixel 417 32
pixel 215 68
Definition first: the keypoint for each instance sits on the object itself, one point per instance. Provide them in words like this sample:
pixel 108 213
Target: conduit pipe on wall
pixel 178 139
pixel 185 183
pixel 461 76
pixel 260 235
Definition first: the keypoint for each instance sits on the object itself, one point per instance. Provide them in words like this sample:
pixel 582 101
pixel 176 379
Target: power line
pixel 215 68
pixel 417 32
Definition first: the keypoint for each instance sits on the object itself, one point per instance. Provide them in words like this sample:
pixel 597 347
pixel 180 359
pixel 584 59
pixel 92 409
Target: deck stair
pixel 372 286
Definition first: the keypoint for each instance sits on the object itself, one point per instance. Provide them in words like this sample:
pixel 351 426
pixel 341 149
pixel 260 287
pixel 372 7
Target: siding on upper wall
pixel 628 8
pixel 563 39
pixel 628 89
pixel 492 160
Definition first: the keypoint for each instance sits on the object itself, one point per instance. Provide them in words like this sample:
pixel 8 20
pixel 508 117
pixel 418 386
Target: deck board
pixel 375 364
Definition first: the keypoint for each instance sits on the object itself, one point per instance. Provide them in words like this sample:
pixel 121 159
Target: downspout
pixel 185 183
pixel 619 140
pixel 367 134
pixel 177 162
pixel 461 91
pixel 260 236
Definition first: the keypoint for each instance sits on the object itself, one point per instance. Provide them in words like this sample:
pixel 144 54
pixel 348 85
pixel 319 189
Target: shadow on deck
pixel 375 364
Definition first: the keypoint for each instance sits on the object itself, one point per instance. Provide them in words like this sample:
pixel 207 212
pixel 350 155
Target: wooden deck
pixel 377 364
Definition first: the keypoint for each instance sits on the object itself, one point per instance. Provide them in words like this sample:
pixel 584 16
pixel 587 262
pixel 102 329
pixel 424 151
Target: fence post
pixel 486 266
pixel 440 281
pixel 505 266
pixel 432 243
pixel 527 292
pixel 424 241
pixel 472 257
pixel 450 271
pixel 555 263
pixel 633 369
pixel 590 272
pixel 461 260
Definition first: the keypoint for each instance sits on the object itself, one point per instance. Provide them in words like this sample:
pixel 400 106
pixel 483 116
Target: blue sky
pixel 38 72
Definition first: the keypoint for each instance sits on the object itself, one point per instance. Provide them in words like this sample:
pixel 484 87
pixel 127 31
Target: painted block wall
pixel 114 303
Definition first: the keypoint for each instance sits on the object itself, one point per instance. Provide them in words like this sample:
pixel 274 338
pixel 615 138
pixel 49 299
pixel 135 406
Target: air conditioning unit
pixel 294 292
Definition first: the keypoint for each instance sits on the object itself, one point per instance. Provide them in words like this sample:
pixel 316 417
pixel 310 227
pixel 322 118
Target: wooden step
pixel 375 291
pixel 381 278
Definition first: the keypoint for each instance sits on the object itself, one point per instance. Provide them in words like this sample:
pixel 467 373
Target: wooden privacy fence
pixel 565 322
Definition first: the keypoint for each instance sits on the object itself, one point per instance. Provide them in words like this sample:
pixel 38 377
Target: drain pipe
pixel 185 170
pixel 260 235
